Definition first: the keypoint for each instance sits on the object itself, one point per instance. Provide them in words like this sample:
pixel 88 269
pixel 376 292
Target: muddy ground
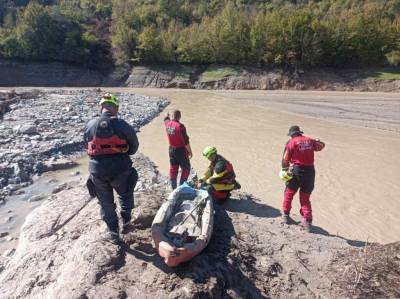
pixel 251 254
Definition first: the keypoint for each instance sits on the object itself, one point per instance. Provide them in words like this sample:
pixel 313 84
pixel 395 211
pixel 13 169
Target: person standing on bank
pixel 110 142
pixel 180 152
pixel 298 172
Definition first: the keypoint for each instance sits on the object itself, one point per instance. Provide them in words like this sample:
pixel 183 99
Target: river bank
pixel 43 130
pixel 251 254
pixel 41 134
pixel 214 77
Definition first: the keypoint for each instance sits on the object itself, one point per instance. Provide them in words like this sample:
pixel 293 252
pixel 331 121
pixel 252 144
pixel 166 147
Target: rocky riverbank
pixel 22 73
pixel 252 78
pixel 42 130
pixel 251 254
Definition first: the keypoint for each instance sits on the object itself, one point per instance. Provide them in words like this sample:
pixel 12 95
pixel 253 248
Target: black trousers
pixel 303 178
pixel 178 156
pixel 124 184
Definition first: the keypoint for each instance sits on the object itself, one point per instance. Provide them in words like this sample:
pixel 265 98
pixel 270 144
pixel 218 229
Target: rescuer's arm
pixel 87 131
pixel 220 171
pixel 130 136
pixel 207 174
pixel 167 118
pixel 318 145
pixel 186 141
pixel 286 157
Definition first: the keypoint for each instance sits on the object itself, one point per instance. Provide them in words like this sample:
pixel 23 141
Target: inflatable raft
pixel 183 225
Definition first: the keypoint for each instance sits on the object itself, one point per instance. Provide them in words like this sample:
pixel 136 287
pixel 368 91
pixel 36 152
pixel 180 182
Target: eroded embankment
pixel 254 78
pixel 251 254
pixel 25 73
pixel 60 254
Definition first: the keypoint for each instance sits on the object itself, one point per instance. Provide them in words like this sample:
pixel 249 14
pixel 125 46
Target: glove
pixel 285 175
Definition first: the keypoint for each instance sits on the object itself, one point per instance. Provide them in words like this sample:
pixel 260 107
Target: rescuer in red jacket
pixel 179 148
pixel 298 172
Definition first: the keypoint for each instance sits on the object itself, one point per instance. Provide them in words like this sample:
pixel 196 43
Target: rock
pixel 52 181
pixel 60 164
pixel 37 198
pixel 75 173
pixel 3 234
pixel 25 129
pixel 60 188
pixel 39 167
pixel 13 187
pixel 19 192
pixel 3 182
pixel 139 185
pixel 14 181
pixel 9 252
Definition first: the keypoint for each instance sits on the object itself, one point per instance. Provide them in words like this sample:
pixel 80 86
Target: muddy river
pixel 357 182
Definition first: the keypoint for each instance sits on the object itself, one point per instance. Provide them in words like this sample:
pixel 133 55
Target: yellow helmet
pixel 111 99
pixel 209 151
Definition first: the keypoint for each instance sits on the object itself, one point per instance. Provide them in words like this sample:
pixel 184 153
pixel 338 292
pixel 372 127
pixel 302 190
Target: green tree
pixel 232 36
pixel 149 45
pixel 169 43
pixel 124 41
pixel 196 44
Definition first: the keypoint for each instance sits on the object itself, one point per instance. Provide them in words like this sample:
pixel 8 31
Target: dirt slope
pixel 251 255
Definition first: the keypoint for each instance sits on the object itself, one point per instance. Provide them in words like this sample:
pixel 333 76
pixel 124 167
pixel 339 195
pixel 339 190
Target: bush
pixel 393 58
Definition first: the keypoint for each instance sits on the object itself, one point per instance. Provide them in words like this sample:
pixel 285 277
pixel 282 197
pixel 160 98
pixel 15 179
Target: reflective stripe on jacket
pixel 220 174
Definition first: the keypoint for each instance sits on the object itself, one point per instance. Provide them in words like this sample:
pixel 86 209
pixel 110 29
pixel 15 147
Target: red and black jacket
pixel 110 141
pixel 299 150
pixel 221 171
pixel 176 132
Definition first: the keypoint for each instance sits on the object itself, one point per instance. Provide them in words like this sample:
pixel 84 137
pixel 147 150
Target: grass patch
pixel 382 74
pixel 180 72
pixel 218 73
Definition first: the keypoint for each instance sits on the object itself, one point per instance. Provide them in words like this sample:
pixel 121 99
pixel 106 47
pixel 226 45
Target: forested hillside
pixel 289 33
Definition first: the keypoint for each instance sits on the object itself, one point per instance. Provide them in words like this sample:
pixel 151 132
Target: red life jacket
pixel 174 133
pixel 300 150
pixel 109 143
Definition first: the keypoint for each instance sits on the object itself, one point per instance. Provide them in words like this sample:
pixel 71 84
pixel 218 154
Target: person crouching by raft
pixel 219 178
pixel 298 172
pixel 179 148
pixel 110 142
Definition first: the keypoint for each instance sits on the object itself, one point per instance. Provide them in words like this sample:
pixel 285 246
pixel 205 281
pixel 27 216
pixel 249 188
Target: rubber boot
pixel 173 183
pixel 184 175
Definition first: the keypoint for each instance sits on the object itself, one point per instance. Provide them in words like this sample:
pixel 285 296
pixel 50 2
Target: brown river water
pixel 357 182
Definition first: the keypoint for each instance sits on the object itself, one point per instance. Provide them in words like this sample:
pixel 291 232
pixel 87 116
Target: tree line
pixel 290 33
